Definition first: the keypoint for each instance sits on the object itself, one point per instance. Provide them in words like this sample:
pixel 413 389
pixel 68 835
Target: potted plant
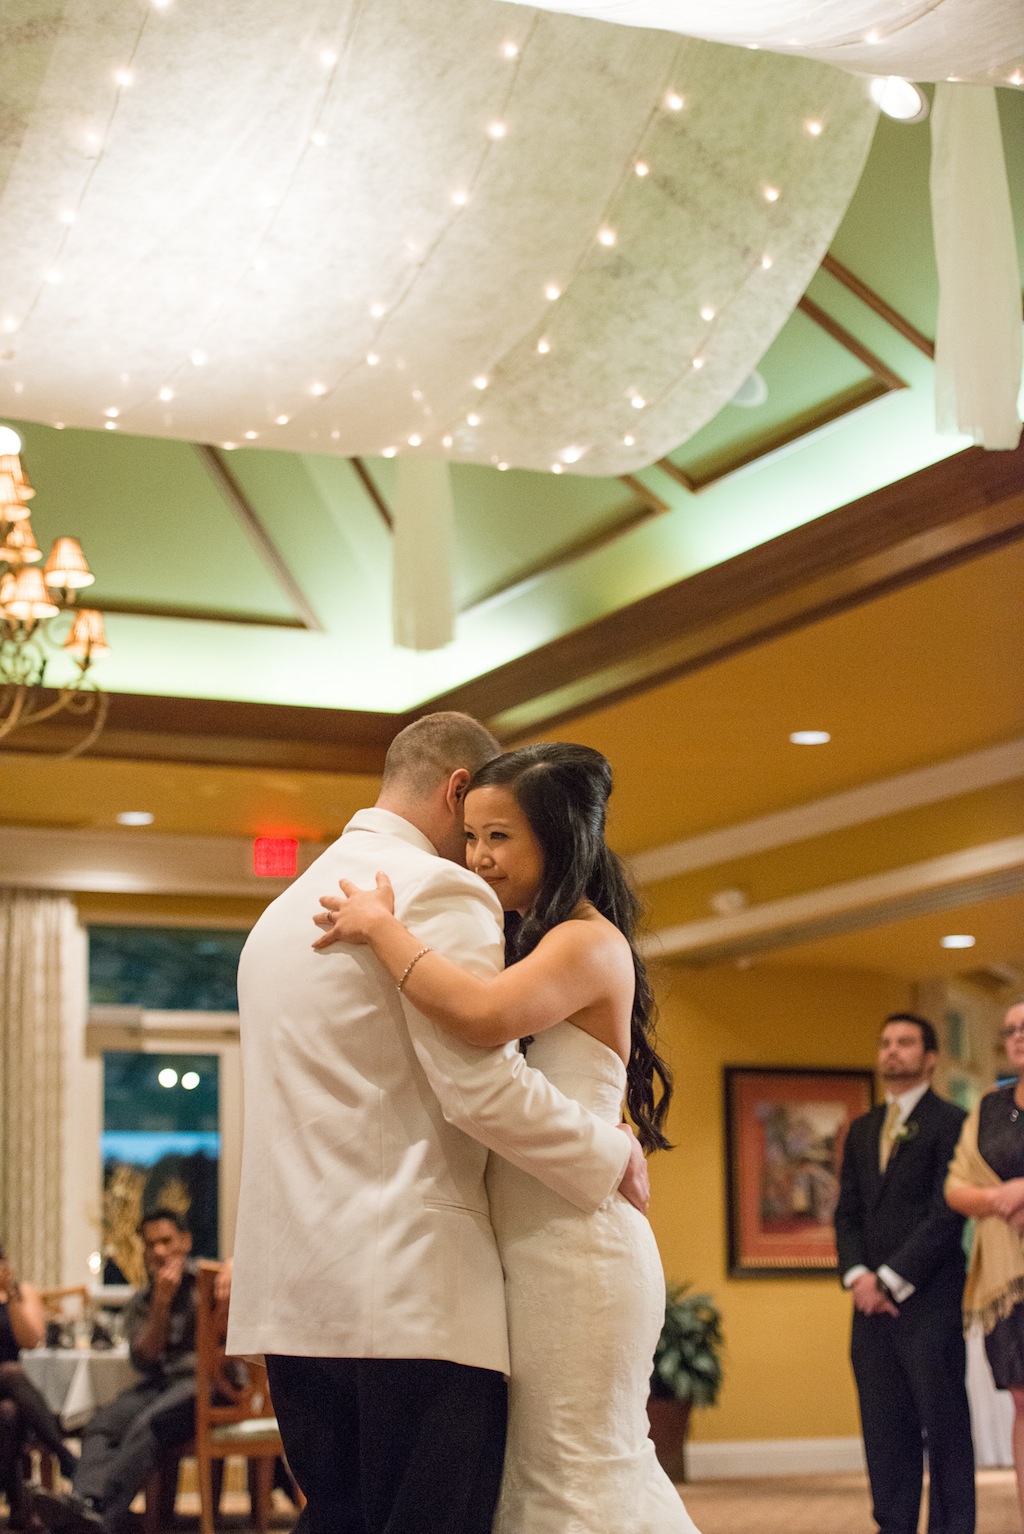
pixel 687 1372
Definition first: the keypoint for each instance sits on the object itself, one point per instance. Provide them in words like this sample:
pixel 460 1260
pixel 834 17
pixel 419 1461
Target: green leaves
pixel 687 1359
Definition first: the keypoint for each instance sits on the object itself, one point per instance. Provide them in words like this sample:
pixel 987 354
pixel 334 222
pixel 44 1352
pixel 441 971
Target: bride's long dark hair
pixel 563 792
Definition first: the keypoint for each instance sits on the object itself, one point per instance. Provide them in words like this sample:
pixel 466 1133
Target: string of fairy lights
pixel 457 435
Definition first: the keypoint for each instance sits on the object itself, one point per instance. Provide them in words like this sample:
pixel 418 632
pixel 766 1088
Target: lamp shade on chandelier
pixel 38 621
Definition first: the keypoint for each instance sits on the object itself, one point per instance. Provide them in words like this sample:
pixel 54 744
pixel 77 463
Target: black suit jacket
pixel 900 1218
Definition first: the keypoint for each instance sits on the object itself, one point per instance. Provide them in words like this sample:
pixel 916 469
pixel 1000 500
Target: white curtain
pixel 978 336
pixel 38 933
pixel 424 597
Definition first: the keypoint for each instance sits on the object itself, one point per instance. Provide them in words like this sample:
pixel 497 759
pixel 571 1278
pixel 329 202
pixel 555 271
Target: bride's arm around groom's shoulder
pixel 492 1094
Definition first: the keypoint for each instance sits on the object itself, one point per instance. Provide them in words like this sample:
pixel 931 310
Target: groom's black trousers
pixel 391 1445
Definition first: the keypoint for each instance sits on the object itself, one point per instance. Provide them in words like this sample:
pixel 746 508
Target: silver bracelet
pixel 407 971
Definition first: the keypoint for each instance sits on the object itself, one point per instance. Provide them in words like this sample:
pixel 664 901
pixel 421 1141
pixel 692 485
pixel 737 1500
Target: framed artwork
pixel 785 1128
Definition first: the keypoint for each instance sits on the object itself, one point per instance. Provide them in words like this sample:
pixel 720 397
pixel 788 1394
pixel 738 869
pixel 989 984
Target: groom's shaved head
pixel 430 749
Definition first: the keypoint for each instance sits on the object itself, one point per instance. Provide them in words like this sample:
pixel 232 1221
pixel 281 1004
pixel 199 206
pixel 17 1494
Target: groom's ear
pixel 457 785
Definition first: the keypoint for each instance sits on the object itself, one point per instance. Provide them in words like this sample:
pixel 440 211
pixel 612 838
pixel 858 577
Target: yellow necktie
pixel 888 1137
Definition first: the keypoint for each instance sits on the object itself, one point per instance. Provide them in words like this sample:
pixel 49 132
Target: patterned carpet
pixel 825 1504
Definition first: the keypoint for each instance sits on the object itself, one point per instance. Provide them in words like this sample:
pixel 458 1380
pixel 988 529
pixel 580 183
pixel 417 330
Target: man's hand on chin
pixel 635 1184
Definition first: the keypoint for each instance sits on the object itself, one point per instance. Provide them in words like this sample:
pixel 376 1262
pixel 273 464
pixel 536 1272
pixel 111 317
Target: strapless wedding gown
pixel 586 1302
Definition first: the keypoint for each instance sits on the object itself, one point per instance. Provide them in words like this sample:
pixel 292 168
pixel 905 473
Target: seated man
pixel 126 1439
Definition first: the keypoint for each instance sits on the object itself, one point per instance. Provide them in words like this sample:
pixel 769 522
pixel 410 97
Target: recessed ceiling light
pixel 135 818
pixel 958 940
pixel 810 737
pixel 190 1080
pixel 167 1077
pixel 753 391
pixel 899 99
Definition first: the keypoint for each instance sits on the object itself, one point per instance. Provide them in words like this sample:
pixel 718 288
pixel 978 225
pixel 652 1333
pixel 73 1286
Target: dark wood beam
pixel 373 490
pixel 191 614
pixel 257 534
pixel 209 732
pixel 936 519
pixel 875 301
pixel 933 520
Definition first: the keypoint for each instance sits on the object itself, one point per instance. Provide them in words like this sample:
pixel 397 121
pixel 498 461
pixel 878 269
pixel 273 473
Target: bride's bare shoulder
pixel 589 935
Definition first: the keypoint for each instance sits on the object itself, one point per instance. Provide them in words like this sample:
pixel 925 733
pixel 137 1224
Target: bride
pixel 585 1293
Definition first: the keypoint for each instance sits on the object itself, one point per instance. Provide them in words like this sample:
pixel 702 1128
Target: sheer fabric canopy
pixel 352 226
pixel 977 40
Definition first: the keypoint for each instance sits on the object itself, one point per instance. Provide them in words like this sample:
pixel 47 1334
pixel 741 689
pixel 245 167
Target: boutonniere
pixel 905 1132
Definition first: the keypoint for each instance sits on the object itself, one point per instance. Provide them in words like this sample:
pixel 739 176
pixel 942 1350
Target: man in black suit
pixel 901 1257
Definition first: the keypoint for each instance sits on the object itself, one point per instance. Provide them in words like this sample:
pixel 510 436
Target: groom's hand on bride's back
pixel 635 1184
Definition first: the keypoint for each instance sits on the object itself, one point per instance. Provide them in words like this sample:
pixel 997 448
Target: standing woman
pixel 23 1411
pixel 986 1182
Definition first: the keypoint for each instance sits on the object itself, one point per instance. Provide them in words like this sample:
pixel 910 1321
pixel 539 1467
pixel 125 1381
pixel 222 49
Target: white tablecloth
pixel 75 1381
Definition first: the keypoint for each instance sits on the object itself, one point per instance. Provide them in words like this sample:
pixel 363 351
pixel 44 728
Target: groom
pixel 365 1264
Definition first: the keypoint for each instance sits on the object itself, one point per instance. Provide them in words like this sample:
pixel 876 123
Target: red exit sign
pixel 275 857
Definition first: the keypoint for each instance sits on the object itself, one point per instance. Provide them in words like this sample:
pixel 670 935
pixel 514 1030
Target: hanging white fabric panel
pixel 37 943
pixel 981 40
pixel 424 596
pixel 343 225
pixel 978 337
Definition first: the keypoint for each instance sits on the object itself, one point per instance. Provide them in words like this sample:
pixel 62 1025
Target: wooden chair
pixel 54 1300
pixel 246 1427
pixel 161 1489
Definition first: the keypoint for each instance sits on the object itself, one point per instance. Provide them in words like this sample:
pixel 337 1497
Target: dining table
pixel 76 1381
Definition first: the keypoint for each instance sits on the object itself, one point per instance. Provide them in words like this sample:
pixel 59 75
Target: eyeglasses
pixel 1012 1030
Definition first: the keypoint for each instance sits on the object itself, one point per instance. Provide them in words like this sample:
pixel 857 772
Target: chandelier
pixel 41 629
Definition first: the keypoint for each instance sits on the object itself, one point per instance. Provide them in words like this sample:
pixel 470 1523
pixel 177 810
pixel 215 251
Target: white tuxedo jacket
pixel 363 1227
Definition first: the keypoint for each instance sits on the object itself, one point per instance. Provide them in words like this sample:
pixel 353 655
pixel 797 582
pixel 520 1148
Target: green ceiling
pixel 161 535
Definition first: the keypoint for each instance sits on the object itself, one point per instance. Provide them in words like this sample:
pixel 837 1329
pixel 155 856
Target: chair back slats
pixel 227 1389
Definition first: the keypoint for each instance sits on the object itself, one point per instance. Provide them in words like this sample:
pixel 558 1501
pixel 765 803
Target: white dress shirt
pixel 898 1287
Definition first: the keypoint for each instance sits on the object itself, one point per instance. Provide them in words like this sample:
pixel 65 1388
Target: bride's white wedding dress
pixel 586 1302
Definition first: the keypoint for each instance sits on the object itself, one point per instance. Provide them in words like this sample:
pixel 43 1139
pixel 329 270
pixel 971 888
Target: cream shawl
pixel 995 1276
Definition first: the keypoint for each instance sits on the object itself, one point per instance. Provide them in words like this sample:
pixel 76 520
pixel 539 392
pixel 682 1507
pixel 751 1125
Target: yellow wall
pixel 787 1373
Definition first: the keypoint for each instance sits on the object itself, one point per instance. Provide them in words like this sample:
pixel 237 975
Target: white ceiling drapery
pixel 466 230
pixel 977 40
pixel 978 336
